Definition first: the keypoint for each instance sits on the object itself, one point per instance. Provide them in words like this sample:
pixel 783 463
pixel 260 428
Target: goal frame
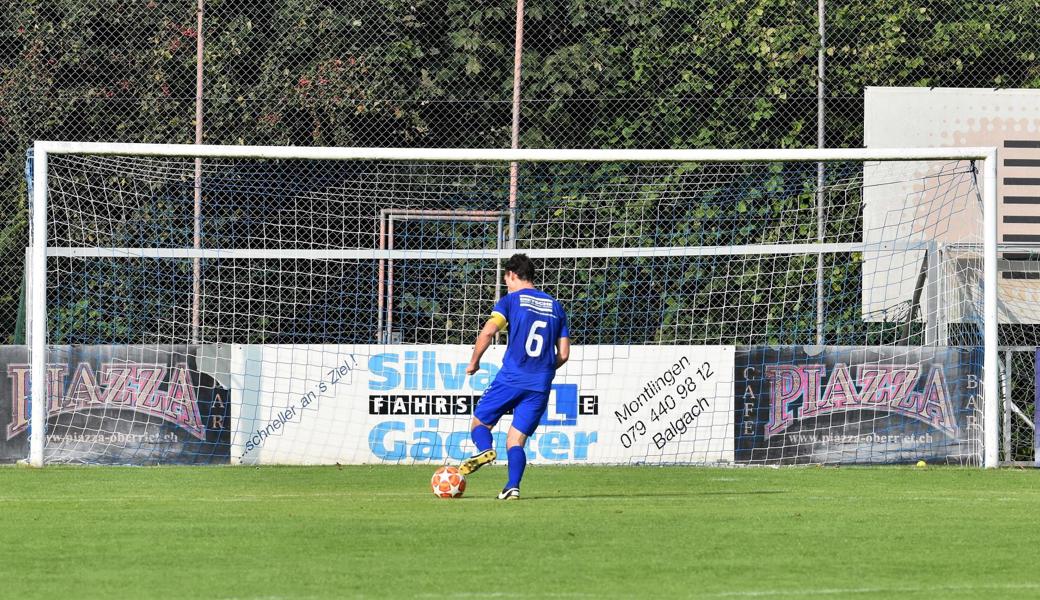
pixel 39 250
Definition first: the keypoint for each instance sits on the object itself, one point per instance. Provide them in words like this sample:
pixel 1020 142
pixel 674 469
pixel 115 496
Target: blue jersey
pixel 535 321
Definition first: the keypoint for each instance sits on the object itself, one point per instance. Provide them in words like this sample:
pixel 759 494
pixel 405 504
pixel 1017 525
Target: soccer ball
pixel 447 482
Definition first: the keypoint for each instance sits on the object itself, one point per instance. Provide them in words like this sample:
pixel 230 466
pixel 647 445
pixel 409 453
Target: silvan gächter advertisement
pixel 365 404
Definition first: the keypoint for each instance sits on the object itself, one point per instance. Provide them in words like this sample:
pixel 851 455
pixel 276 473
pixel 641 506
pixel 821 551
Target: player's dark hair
pixel 521 266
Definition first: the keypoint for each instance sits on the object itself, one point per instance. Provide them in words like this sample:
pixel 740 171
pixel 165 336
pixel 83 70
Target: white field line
pixel 511 595
pixel 246 498
pixel 937 589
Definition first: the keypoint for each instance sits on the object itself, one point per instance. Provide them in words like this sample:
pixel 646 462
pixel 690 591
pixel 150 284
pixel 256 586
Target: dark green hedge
pixel 611 73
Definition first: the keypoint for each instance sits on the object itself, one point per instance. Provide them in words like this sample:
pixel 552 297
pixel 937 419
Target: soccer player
pixel 538 345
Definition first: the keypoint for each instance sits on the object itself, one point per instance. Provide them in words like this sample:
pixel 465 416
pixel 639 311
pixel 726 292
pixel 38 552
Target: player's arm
pixel 495 324
pixel 563 351
pixel 563 343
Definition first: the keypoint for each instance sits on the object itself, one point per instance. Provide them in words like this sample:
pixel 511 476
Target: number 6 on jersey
pixel 535 340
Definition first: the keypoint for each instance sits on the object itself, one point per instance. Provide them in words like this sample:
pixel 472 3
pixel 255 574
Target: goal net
pixel 319 306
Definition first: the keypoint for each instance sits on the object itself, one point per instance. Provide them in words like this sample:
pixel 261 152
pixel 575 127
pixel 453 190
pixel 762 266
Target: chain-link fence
pixel 609 74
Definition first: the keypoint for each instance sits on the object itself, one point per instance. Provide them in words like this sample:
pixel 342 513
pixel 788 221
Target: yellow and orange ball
pixel 448 482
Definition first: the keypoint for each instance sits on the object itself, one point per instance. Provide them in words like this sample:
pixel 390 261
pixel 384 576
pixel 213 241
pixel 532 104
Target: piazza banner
pixel 120 405
pixel 857 405
pixel 394 404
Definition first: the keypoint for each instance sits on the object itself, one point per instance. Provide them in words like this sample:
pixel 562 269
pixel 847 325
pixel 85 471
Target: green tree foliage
pixel 714 73
pixel 609 73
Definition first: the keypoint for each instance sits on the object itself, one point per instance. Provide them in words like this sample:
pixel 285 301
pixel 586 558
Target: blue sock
pixel 481 436
pixel 517 464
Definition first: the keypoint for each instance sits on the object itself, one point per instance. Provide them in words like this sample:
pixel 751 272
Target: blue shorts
pixel 527 406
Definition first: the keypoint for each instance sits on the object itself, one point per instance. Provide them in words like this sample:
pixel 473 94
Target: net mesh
pixel 721 312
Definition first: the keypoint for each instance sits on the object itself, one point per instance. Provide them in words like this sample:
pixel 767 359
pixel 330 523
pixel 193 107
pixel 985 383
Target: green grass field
pixel 326 532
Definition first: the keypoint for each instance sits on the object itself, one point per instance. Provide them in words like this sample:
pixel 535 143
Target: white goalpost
pixel 318 307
